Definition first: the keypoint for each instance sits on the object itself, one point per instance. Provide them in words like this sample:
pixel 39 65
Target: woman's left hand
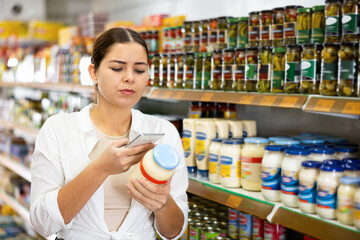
pixel 153 197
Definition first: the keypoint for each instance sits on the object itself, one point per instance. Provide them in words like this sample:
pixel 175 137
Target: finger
pixel 138 185
pixel 153 188
pixel 139 149
pixel 140 197
pixel 148 206
pixel 120 143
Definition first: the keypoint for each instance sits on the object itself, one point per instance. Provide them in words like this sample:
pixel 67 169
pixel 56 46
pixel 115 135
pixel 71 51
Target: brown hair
pixel 112 36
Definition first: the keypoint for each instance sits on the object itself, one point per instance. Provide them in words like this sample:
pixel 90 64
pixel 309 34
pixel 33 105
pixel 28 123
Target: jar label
pixel 289 30
pixel 242 41
pixel 292 72
pixel 258 228
pixel 357 211
pixel 204 37
pixel 308 70
pixel 329 71
pixel 326 197
pixel 277 32
pixel 251 171
pixel 239 72
pixel 222 36
pixel 278 79
pixel 251 71
pixel 179 43
pixel 265 32
pixel 274 231
pixel 227 72
pixel 216 72
pixel 245 224
pixel 208 235
pixel 264 71
pixel 154 45
pixel 180 74
pixel 303 36
pixel 290 182
pixel 253 33
pixel 207 77
pixel 194 114
pixel 317 35
pixel 213 36
pixel 347 70
pixel 332 26
pixel 229 168
pixel 187 39
pixel 307 191
pixel 213 167
pixel 189 73
pixel 345 205
pixel 349 23
pixel 200 146
pixel 196 39
pixel 271 178
pixel 194 233
pixel 187 143
pixel 232 42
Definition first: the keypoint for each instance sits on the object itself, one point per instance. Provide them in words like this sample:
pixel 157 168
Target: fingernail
pixel 133 181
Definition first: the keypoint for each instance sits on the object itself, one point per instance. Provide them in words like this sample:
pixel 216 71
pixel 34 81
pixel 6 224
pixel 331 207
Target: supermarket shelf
pixel 17 168
pixel 22 211
pixel 255 204
pixel 62 87
pixel 23 129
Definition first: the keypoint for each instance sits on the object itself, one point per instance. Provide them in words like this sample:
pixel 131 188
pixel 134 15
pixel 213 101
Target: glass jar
pixel 204 38
pixel 349 21
pixel 214 160
pixel 239 69
pixel 264 70
pixel 318 24
pixel 332 21
pixel 187 36
pixel 164 70
pixel 303 25
pixel 189 70
pixel 242 32
pixel 307 186
pixel 230 154
pixel 171 70
pixel 347 72
pixel 198 70
pixel 197 110
pixel 179 39
pixel 351 169
pixel 290 24
pixel 251 159
pixel 196 31
pixel 321 154
pixel 216 63
pixel 206 77
pixel 357 208
pixel 345 199
pixel 166 40
pixel 154 42
pixel 277 33
pixel 172 40
pixel 266 20
pixel 291 13
pixel 290 170
pixel 180 63
pixel 254 31
pixel 155 70
pixel 228 110
pixel 271 172
pixel 293 69
pixel 223 29
pixel 227 70
pixel 346 152
pixel 251 69
pixel 232 34
pixel 328 77
pixel 310 59
pixel 278 15
pixel 150 70
pixel 278 70
pixel 213 35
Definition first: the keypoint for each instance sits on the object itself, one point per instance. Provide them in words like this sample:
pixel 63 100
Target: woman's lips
pixel 127 91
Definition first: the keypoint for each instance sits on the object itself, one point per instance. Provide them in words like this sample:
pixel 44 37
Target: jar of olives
pixel 204 37
pixel 155 70
pixel 171 70
pixel 264 70
pixel 290 24
pixel 278 15
pixel 213 34
pixel 150 70
pixel 163 70
pixel 254 31
pixel 242 32
pixel 317 24
pixel 329 62
pixel 310 59
pixel 291 13
pixel 232 34
pixel 223 28
pixel 215 83
pixel 227 69
pixel 347 73
pixel 349 21
pixel 198 70
pixel 206 77
pixel 332 21
pixel 179 68
pixel 251 69
pixel 187 36
pixel 277 35
pixel 196 30
pixel 189 70
pixel 266 20
pixel 278 70
pixel 293 69
pixel 239 69
pixel 303 25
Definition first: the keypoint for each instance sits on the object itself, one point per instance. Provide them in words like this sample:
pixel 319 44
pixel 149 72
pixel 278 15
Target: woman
pixel 80 169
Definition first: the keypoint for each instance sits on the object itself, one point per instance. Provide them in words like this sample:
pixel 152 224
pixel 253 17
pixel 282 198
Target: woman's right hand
pixel 118 159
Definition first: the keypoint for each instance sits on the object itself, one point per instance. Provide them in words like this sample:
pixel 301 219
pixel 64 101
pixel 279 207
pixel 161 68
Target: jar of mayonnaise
pixel 230 154
pixel 251 159
pixel 325 145
pixel 345 199
pixel 351 160
pixel 271 172
pixel 346 152
pixel 335 140
pixel 290 170
pixel 328 182
pixel 312 141
pixel 273 139
pixel 158 165
pixel 357 208
pixel 321 154
pixel 307 186
pixel 289 142
pixel 332 162
pixel 189 137
pixel 351 170
pixel 301 146
pixel 214 160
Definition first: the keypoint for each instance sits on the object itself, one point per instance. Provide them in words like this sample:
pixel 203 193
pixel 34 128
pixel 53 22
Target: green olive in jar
pixel 239 69
pixel 347 80
pixel 155 70
pixel 215 82
pixel 179 67
pixel 329 61
pixel 332 21
pixel 227 69
pixel 264 69
pixel 293 69
pixel 205 84
pixel 349 21
pixel 310 59
pixel 278 70
pixel 198 70
pixel 189 70
pixel 251 69
pixel 187 36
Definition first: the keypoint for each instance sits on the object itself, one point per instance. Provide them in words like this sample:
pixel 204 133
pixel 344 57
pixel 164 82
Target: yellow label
pixel 356 214
pixel 233 201
pixel 200 147
pixel 225 170
pixel 268 100
pixel 187 144
pixel 179 95
pixel 246 99
pixel 229 114
pixel 213 167
pixel 238 169
pixel 289 101
pixel 207 96
pixel 324 105
pixel 352 108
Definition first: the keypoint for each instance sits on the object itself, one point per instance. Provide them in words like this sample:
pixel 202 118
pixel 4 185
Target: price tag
pixel 324 105
pixel 179 95
pixel 352 108
pixel 246 99
pixel 268 100
pixel 167 94
pixel 289 101
pixel 233 201
pixel 207 97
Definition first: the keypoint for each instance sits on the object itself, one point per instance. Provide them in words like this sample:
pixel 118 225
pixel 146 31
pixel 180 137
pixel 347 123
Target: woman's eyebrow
pixel 122 62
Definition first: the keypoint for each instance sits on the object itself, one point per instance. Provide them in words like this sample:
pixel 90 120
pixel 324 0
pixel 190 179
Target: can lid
pixel 323 150
pixel 294 151
pixel 351 160
pixel 243 19
pixel 279 50
pixel 336 140
pixel 301 146
pixel 324 145
pixel 218 140
pixel 275 148
pixel 347 149
pixel 256 140
pixel 311 164
pixel 351 167
pixel 318 8
pixel 312 141
pixel 166 156
pixel 287 142
pixel 350 180
pixel 347 145
pixel 304 10
pixel 331 168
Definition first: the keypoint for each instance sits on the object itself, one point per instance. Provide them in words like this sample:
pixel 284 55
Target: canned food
pixel 242 32
pixel 195 230
pixel 239 69
pixel 303 25
pixel 329 62
pixel 227 69
pixel 318 24
pixel 274 231
pixel 293 69
pixel 215 82
pixel 347 80
pixel 258 228
pixel 332 21
pixel 209 232
pixel 233 223
pixel 251 69
pixel 278 70
pixel 245 226
pixel 264 70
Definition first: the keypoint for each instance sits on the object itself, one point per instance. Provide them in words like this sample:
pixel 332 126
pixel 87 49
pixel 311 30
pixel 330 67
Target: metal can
pixel 204 38
pixel 303 25
pixel 310 67
pixel 187 36
pixel 347 72
pixel 233 223
pixel 232 33
pixel 206 71
pixel 274 231
pixel 195 230
pixel 332 21
pixel 242 32
pixel 318 24
pixel 258 228
pixel 292 69
pixel 164 70
pixel 278 70
pixel 227 70
pixel 189 70
pixel 223 30
pixel 266 20
pixel 179 68
pixel 329 62
pixel 251 69
pixel 245 226
pixel 349 21
pixel 198 70
pixel 278 15
pixel 239 69
pixel 196 30
pixel 264 70
pixel 216 70
pixel 155 70
pixel 254 29
pixel 209 232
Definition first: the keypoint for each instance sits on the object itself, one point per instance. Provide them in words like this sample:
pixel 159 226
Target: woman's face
pixel 122 75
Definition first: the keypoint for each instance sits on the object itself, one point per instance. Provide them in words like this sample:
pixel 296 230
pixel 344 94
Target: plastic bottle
pixel 235 128
pixel 214 160
pixel 321 154
pixel 345 200
pixel 249 128
pixel 189 137
pixel 230 154
pixel 222 128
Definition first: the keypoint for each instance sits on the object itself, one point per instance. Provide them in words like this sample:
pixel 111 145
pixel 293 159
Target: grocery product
pixel 239 69
pixel 307 186
pixel 164 70
pixel 216 72
pixel 179 68
pixel 206 71
pixel 277 35
pixel 212 44
pixel 332 21
pixel 195 230
pixel 351 161
pixel 264 69
pixel 347 72
pixel 321 154
pixel 318 24
pixel 349 21
pixel 197 110
pixel 232 33
pixel 310 68
pixel 198 70
pixel 266 21
pixel 155 70
pixel 249 128
pixel 329 62
pixel 345 199
pixel 351 169
pixel 254 29
pixel 235 128
pixel 287 142
pixel 245 226
pixel 196 30
pixel 230 154
pixel 187 36
pixel 204 36
pixel 346 152
pixel 278 70
pixel 222 128
pixel 290 24
pixel 258 228
pixel 303 25
pixel 312 141
pixel 189 70
pixel 171 70
pixel 233 223
pixel 292 69
pixel 242 32
pixel 189 138
pixel 227 82
pixel 273 231
pixel 357 208
pixel 223 31
pixel 278 15
pixel 251 69
pixel 214 160
pixel 273 139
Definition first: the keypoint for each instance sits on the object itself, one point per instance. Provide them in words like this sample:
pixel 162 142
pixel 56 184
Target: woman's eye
pixel 116 69
pixel 139 71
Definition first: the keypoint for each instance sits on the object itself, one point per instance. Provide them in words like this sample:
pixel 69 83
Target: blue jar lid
pixel 239 139
pixel 336 140
pixel 258 140
pixel 325 145
pixel 232 142
pixel 308 134
pixel 347 149
pixel 350 180
pixel 294 151
pixel 331 168
pixel 323 150
pixel 275 148
pixel 301 146
pixel 279 138
pixel 312 141
pixel 287 142
pixel 218 140
pixel 351 160
pixel 311 164
pixel 332 162
pixel 346 145
pixel 299 137
pixel 324 136
pixel 351 167
pixel 166 156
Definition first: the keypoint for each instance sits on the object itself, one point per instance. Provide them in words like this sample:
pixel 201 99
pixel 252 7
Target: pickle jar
pixel 171 70
pixel 155 70
pixel 196 30
pixel 189 70
pixel 277 35
pixel 293 69
pixel 332 21
pixel 278 70
pixel 212 44
pixel 150 70
pixel 310 59
pixel 187 36
pixel 242 32
pixel 198 70
pixel 251 69
pixel 223 28
pixel 164 70
pixel 232 34
pixel 329 65
pixel 266 20
pixel 303 25
pixel 204 38
pixel 291 13
pixel 278 15
pixel 216 63
pixel 317 24
pixel 347 72
pixel 206 71
pixel 264 69
pixel 254 29
pixel 290 24
pixel 239 69
pixel 179 68
pixel 227 69
pixel 349 21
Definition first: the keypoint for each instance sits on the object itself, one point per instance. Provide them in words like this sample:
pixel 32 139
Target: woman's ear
pixel 92 72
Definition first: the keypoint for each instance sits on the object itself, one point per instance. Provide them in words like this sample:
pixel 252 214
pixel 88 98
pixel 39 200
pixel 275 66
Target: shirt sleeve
pixel 46 179
pixel 179 181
